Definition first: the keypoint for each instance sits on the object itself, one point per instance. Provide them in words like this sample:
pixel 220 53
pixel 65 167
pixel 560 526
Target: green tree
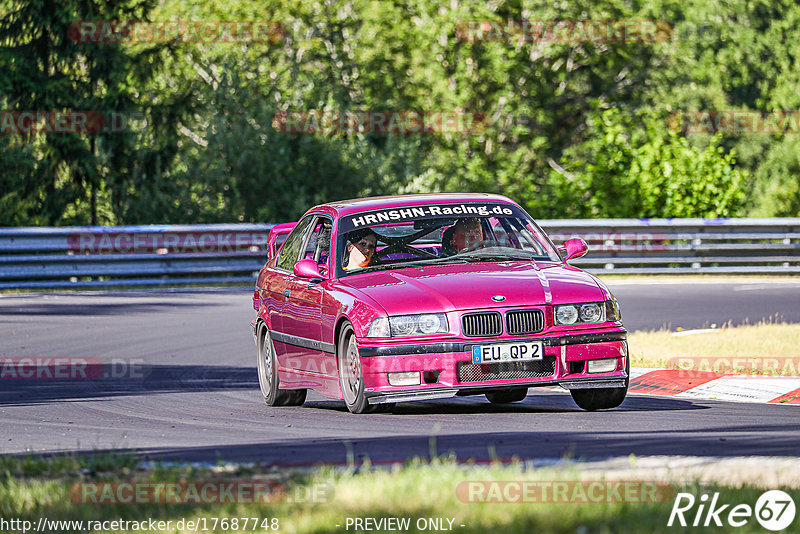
pixel 44 69
pixel 777 182
pixel 621 171
pixel 208 152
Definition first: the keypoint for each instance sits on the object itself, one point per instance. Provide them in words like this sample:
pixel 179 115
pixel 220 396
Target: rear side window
pixel 290 251
pixel 280 240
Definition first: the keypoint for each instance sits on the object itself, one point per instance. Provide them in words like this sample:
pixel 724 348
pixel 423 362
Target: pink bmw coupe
pixel 392 299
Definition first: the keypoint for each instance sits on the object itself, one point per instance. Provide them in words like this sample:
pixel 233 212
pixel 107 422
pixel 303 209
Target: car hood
pixel 472 286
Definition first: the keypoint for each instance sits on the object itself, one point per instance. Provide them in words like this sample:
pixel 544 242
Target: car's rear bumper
pixel 446 369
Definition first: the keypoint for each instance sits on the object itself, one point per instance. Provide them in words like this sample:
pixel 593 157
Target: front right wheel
pixel 599 398
pixel 602 398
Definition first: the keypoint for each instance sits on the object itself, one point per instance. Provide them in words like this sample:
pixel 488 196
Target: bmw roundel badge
pixel 498 298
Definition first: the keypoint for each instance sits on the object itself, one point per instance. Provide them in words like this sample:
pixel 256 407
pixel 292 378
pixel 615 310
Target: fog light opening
pixel 606 365
pixel 406 378
pixel 576 367
pixel 430 377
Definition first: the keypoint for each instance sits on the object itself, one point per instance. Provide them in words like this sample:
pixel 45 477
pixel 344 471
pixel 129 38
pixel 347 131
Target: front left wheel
pixel 505 396
pixel 351 378
pixel 268 376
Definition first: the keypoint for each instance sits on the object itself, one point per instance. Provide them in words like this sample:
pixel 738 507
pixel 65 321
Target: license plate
pixel 507 352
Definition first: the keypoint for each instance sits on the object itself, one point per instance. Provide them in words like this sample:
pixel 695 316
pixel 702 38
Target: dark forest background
pixel 575 129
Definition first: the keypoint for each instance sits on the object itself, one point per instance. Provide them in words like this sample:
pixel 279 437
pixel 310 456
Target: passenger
pixel 360 249
pixel 465 235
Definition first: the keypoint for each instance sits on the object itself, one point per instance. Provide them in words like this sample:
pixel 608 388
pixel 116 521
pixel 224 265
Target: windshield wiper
pixel 414 263
pixel 463 257
pixel 477 255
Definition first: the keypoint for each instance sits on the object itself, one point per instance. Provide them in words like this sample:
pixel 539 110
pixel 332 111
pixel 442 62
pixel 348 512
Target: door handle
pixel 286 293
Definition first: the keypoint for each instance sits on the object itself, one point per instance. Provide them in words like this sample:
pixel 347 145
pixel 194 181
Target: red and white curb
pixel 715 386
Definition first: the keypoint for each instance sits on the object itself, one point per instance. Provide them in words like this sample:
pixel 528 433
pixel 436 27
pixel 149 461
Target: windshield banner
pixel 413 213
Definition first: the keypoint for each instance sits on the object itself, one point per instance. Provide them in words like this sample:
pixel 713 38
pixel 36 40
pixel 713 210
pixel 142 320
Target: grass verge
pixel 764 348
pixel 428 495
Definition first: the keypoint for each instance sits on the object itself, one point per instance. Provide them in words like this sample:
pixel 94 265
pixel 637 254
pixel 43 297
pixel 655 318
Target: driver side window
pixel 290 251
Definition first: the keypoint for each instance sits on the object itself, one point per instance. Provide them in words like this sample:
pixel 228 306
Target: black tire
pixel 384 407
pixel 268 376
pixel 351 379
pixel 504 396
pixel 602 398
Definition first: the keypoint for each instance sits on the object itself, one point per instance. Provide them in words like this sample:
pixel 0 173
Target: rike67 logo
pixel 774 510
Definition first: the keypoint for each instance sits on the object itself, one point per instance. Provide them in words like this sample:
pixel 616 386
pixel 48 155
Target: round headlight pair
pixel 406 325
pixel 584 313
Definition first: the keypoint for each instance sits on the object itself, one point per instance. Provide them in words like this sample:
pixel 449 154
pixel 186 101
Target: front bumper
pixel 446 368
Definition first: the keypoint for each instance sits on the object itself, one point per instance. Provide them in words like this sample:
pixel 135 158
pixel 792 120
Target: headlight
pixel 413 325
pixel 431 324
pixel 408 325
pixel 403 325
pixel 566 314
pixel 379 328
pixel 591 312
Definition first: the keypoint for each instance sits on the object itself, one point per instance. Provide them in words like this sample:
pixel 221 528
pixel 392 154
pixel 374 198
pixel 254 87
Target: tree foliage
pixel 576 127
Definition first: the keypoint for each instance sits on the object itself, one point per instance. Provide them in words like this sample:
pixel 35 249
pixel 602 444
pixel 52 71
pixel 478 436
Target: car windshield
pixel 438 234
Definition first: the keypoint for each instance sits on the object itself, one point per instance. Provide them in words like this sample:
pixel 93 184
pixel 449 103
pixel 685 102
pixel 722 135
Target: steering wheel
pixel 402 247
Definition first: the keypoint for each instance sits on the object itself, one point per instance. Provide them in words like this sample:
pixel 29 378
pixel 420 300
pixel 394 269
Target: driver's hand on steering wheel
pixel 476 245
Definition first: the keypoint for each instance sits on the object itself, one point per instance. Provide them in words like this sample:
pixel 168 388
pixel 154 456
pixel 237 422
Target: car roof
pixel 357 205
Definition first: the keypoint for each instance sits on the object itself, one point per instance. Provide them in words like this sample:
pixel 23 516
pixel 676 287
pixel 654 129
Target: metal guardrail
pixel 170 255
pixel 166 255
pixel 678 246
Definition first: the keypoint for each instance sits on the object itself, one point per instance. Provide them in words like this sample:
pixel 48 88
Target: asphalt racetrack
pixel 183 387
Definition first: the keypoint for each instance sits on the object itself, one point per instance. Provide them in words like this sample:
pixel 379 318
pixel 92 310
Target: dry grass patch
pixel 765 348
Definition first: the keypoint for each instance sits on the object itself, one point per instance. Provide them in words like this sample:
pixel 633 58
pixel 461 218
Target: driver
pixel 464 235
pixel 360 249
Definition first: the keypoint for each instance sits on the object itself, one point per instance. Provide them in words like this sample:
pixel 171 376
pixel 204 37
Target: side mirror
pixel 307 269
pixel 574 248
